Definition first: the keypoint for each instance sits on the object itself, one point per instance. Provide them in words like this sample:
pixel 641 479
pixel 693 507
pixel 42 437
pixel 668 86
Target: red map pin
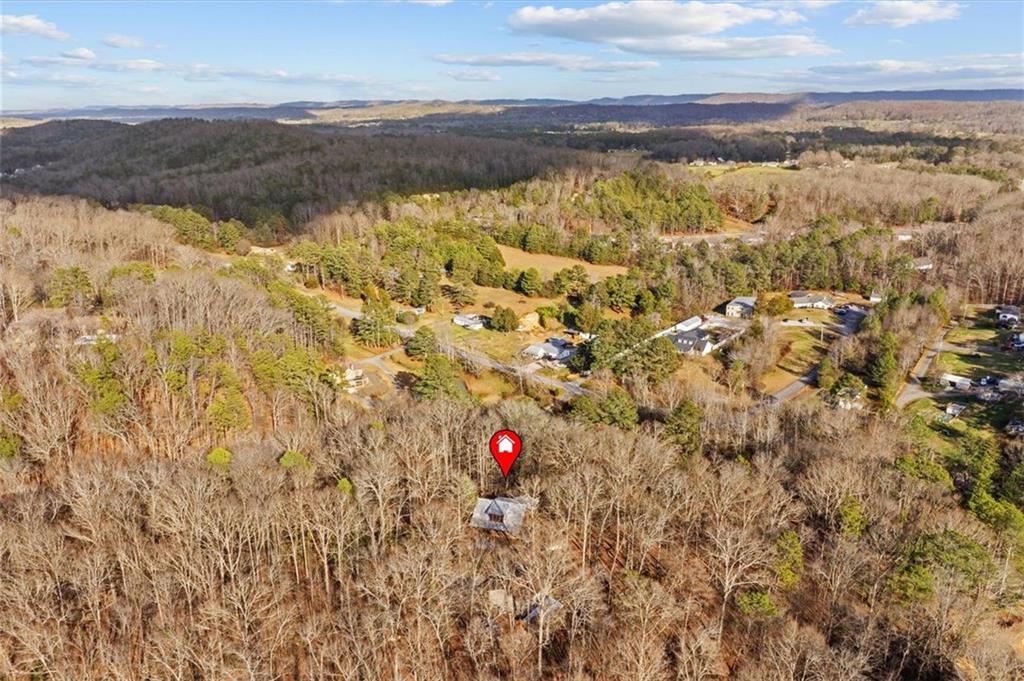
pixel 505 447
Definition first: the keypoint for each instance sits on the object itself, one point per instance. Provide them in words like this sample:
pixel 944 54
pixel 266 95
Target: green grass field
pixel 977 365
pixel 803 348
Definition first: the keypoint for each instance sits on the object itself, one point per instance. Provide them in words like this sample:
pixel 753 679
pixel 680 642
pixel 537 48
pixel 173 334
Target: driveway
pixel 846 326
pixel 912 388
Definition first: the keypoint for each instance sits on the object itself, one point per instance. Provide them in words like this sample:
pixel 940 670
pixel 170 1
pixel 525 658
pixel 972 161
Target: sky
pixel 72 54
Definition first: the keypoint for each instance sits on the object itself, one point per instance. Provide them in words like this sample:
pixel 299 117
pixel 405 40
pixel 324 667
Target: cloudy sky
pixel 60 54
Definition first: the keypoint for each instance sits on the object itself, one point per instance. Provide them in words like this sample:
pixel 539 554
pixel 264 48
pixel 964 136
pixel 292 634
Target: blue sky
pixel 61 54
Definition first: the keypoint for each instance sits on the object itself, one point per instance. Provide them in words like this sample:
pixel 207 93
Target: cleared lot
pixel 547 265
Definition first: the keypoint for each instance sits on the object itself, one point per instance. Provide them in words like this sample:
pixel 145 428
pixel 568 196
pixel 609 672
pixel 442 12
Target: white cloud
pixel 15 77
pixel 473 75
pixel 30 24
pixel 196 72
pixel 706 47
pixel 787 17
pixel 615 20
pixel 52 61
pixel 673 29
pixel 431 3
pixel 124 42
pixel 902 13
pixel 82 53
pixel 206 72
pixel 562 62
pixel 130 65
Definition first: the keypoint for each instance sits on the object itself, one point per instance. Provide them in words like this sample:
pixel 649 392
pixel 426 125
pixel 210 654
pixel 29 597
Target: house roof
pixel 809 298
pixel 511 512
pixel 687 341
pixel 749 301
pixel 554 348
pixel 540 605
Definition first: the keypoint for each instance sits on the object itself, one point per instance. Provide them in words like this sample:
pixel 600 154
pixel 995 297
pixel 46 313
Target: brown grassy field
pixel 397 111
pixel 499 296
pixel 547 265
pixel 17 123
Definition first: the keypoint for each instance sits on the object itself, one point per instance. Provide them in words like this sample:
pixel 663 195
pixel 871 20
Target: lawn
pixel 979 418
pixel 802 348
pixel 547 265
pixel 517 301
pixel 501 346
pixel 817 316
pixel 968 335
pixel 977 365
pixel 490 387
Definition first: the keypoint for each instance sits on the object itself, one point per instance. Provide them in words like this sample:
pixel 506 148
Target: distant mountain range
pixel 357 111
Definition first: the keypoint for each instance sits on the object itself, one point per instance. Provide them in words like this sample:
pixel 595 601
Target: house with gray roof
pixel 501 514
pixel 692 341
pixel 553 349
pixel 817 301
pixel 741 306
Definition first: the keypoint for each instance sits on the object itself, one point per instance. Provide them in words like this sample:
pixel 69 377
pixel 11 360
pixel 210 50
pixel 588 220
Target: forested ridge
pixel 258 171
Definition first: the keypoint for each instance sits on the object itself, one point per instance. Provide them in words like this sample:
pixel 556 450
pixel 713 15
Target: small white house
pixel 954 381
pixel 472 322
pixel 954 409
pixel 875 297
pixel 354 379
pixel 922 264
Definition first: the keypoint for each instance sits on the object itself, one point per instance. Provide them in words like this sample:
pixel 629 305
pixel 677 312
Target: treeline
pixel 864 194
pixel 753 145
pixel 259 172
pixel 991 117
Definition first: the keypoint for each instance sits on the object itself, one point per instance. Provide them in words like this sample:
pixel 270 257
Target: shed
pixel 954 381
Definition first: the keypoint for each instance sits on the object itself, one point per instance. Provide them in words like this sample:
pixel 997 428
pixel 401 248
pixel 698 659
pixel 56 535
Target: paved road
pixel 568 388
pixel 848 326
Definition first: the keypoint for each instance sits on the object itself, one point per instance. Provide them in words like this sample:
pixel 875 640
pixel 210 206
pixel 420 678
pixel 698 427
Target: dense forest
pixel 263 173
pixel 159 515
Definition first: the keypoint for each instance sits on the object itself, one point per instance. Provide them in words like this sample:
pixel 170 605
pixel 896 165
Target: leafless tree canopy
pixel 186 494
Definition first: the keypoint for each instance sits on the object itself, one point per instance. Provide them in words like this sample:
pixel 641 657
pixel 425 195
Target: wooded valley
pixel 199 481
